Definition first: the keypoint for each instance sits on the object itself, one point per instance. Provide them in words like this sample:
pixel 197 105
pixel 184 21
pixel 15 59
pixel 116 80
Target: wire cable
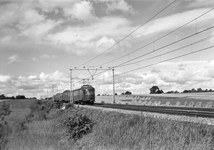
pixel 199 41
pixel 160 48
pixel 158 38
pixel 190 53
pixel 129 34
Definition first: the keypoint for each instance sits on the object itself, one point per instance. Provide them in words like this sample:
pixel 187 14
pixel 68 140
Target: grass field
pixel 111 131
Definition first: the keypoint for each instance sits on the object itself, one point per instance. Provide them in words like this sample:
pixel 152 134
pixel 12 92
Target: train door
pixel 85 97
pixel 81 94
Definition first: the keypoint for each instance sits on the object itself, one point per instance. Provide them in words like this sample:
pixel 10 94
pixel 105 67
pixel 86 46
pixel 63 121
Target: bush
pixel 77 126
pixel 69 105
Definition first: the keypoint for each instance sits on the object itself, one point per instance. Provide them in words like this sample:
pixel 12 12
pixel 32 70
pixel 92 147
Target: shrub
pixel 77 126
pixel 69 105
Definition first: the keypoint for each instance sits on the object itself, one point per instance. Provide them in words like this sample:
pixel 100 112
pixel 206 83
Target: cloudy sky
pixel 41 39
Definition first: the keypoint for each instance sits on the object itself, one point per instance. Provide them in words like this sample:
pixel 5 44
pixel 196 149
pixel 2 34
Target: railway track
pixel 184 111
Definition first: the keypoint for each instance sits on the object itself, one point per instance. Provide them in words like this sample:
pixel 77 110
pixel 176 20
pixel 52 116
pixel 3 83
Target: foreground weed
pixel 77 126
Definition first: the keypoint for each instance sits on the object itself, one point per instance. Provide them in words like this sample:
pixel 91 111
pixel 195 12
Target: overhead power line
pixel 190 53
pixel 177 49
pixel 160 48
pixel 158 38
pixel 129 33
pixel 153 64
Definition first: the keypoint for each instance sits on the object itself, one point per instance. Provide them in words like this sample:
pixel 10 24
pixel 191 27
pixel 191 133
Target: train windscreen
pixel 89 92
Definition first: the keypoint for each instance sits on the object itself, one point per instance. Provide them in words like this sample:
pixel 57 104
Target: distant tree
pixel 20 97
pixel 122 93
pixel 155 90
pixel 2 96
pixel 186 91
pixel 159 92
pixel 115 93
pixel 128 93
pixel 210 90
pixel 98 94
pixel 199 90
pixel 193 90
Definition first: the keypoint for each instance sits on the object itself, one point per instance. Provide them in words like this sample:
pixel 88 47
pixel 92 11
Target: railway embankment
pixel 47 127
pixel 164 116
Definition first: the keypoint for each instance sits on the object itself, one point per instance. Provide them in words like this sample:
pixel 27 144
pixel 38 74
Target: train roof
pixel 66 91
pixel 86 86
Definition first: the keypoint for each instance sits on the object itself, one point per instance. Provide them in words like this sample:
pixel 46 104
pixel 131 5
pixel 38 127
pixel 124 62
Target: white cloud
pixel 46 56
pixel 13 58
pixel 56 76
pixel 39 30
pixel 104 43
pixel 105 31
pixel 32 77
pixel 30 17
pixel 120 5
pixel 34 84
pixel 4 78
pixel 82 11
pixel 175 21
pixel 48 5
pixel 195 74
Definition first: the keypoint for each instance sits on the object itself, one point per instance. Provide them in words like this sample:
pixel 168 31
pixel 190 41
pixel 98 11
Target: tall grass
pixel 120 131
pixel 111 131
pixel 4 127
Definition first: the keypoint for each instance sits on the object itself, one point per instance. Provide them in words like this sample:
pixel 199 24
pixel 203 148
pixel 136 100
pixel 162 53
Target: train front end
pixel 89 96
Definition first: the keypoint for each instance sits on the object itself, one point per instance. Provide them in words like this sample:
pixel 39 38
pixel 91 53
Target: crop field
pixel 204 98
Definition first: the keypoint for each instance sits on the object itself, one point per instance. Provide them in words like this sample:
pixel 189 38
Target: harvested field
pixel 204 98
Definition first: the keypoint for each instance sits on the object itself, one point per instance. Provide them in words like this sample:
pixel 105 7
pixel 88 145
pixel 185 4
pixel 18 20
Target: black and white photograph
pixel 106 74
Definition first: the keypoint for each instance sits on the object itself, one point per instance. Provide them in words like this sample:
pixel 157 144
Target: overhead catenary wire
pixel 190 53
pixel 161 48
pixel 158 38
pixel 153 64
pixel 129 33
pixel 199 41
pixel 187 37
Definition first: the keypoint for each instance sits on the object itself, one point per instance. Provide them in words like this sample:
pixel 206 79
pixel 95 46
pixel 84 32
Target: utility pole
pixel 53 92
pixel 113 87
pixel 71 94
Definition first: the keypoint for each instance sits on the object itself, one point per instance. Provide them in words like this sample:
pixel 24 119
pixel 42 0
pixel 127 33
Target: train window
pixel 76 93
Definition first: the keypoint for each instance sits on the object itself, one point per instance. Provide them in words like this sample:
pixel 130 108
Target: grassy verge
pixel 48 128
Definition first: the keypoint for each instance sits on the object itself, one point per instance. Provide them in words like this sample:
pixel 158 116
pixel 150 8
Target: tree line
pixel 2 96
pixel 156 90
